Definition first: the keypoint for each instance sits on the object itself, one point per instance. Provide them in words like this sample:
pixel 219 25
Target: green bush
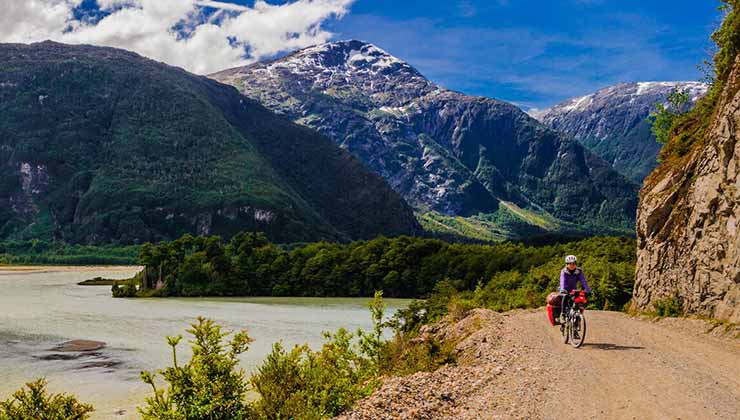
pixel 300 383
pixel 209 387
pixel 305 384
pixel 664 117
pixel 33 403
pixel 681 132
pixel 668 307
pixel 125 290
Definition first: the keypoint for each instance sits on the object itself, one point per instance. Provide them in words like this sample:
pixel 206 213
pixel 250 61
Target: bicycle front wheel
pixel 578 330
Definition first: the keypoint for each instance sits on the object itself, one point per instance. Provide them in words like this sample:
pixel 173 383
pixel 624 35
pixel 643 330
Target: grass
pixel 99 281
pixel 510 222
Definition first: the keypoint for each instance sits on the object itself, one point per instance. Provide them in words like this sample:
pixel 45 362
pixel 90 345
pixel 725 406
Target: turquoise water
pixel 41 309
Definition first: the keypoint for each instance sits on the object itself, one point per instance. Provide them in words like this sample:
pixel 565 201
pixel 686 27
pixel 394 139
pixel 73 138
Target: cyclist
pixel 569 278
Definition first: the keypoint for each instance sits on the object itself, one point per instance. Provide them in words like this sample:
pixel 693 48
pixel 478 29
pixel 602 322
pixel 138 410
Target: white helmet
pixel 571 259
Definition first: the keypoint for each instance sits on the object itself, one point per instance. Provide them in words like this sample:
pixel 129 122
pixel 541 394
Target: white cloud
pixel 222 5
pixel 145 26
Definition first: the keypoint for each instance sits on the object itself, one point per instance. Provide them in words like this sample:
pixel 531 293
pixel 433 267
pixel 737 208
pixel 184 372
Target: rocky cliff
pixel 688 221
pixel 612 122
pixel 446 153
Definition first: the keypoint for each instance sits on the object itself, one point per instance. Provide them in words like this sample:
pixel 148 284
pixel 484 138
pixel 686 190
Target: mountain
pixel 472 166
pixel 100 145
pixel 612 122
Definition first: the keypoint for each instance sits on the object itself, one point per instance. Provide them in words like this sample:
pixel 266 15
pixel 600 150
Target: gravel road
pixel 515 365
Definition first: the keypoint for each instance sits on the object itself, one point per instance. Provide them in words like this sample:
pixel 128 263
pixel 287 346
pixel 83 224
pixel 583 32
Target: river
pixel 43 307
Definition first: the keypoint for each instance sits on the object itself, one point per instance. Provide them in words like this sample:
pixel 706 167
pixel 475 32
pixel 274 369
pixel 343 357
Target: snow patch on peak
pixel 694 89
pixel 578 104
pixel 374 56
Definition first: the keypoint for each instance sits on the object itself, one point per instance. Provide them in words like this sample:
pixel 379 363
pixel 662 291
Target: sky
pixel 533 53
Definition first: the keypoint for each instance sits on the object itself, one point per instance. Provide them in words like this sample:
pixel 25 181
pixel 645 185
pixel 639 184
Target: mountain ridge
pixel 446 153
pixel 613 122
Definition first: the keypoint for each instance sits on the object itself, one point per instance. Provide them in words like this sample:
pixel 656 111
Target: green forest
pixel 503 276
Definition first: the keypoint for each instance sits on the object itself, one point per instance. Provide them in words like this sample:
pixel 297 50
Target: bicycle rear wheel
pixel 577 330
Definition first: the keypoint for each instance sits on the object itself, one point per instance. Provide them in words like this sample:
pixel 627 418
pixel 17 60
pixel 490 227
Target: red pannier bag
pixel 553 308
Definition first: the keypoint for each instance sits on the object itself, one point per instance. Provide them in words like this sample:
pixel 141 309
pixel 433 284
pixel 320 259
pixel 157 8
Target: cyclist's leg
pixel 564 304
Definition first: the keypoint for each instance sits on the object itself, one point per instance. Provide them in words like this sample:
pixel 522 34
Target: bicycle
pixel 574 327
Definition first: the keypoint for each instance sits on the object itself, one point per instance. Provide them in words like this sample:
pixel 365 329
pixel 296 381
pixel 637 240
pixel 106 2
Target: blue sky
pixel 533 53
pixel 537 53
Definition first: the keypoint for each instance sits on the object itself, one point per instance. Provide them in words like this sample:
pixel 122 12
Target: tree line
pixel 402 267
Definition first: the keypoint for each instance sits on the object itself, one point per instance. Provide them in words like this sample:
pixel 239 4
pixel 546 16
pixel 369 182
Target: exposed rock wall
pixel 687 222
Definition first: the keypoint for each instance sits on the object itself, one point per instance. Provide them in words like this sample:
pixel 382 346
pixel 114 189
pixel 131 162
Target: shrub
pixel 125 290
pixel 33 403
pixel 209 387
pixel 664 117
pixel 668 307
pixel 405 355
pixel 305 384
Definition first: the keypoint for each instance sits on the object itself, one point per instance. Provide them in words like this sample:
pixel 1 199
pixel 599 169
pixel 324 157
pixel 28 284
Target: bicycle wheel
pixel 578 330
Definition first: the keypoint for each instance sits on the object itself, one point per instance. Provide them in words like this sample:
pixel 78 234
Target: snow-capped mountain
pixel 612 122
pixel 445 152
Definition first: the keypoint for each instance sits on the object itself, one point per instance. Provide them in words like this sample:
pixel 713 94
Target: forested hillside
pixel 100 145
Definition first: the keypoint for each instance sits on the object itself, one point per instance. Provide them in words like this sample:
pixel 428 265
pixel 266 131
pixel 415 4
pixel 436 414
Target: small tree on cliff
pixel 664 117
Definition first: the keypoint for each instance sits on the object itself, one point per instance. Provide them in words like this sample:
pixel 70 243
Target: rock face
pixel 100 145
pixel 612 122
pixel 443 151
pixel 687 223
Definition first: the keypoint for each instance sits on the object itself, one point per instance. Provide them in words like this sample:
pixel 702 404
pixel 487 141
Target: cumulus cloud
pixel 178 32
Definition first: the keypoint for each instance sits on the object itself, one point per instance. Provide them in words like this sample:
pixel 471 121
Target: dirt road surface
pixel 516 366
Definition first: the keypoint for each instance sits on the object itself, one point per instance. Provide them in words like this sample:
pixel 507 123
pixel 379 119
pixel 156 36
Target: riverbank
pixel 41 269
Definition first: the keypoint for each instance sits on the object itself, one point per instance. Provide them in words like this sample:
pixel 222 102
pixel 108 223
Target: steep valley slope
pixel 613 122
pixel 100 145
pixel 471 165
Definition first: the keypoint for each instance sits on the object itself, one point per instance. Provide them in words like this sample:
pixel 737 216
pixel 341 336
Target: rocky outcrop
pixel 688 222
pixel 612 122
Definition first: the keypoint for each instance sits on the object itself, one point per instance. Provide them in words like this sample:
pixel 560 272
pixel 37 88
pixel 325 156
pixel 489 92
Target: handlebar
pixel 574 292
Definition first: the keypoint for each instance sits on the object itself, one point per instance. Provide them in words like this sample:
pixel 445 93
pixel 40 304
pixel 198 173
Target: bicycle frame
pixel 573 303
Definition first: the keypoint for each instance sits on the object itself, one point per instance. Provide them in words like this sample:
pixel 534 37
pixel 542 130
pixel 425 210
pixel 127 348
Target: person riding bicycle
pixel 570 275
